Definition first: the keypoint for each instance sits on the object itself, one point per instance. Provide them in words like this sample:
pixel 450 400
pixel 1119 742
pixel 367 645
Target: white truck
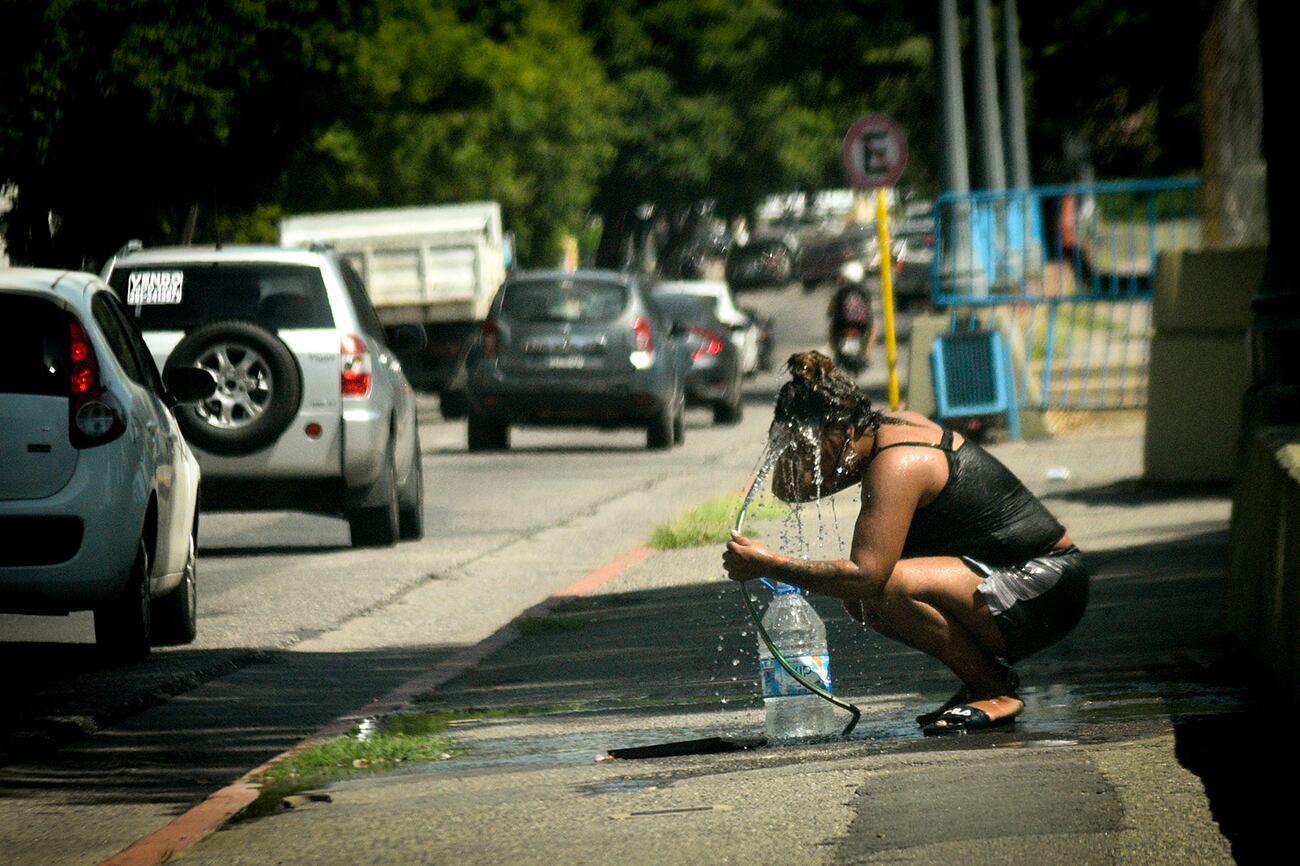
pixel 437 266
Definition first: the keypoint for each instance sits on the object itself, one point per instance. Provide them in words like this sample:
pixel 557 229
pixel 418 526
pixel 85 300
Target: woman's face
pixel 797 472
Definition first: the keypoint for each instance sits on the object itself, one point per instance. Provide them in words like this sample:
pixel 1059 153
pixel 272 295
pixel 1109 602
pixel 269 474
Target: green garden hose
pixel 776 652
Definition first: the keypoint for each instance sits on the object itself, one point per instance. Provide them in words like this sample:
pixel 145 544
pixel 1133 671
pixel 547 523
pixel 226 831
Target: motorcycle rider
pixel 850 307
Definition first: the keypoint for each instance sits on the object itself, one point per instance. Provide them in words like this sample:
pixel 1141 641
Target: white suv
pixel 312 411
pixel 98 491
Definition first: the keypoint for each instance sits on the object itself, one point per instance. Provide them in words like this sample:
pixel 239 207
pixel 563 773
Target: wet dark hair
pixel 822 395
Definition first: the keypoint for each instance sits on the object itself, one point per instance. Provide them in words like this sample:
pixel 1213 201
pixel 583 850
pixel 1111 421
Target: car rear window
pixel 685 308
pixel 574 300
pixel 36 360
pixel 182 297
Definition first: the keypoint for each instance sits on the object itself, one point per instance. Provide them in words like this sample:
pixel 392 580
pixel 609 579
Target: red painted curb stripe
pixel 584 585
pixel 222 805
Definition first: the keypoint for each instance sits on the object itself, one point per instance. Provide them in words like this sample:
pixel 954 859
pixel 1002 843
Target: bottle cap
pixel 784 588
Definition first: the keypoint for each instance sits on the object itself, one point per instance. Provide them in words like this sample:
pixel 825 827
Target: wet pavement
pixel 1137 742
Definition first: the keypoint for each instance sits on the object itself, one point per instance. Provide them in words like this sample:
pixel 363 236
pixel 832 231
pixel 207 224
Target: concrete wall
pixel 1262 592
pixel 920 382
pixel 1200 363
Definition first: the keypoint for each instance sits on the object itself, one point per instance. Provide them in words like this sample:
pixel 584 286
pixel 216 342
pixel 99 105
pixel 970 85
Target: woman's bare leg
pixel 932 604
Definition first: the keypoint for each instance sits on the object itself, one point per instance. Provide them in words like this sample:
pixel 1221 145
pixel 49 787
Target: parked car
pixel 716 374
pixel 582 348
pixel 820 261
pixel 765 340
pixel 98 490
pixel 761 262
pixel 915 254
pixel 747 330
pixel 312 411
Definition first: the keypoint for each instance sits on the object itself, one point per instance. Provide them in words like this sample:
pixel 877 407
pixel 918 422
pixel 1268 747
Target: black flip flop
pixel 963 719
pixel 931 716
pixel 960 697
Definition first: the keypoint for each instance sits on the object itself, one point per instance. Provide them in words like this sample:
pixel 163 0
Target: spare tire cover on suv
pixel 259 387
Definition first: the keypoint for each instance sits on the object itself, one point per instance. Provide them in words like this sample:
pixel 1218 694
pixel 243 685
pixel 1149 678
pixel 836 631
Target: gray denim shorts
pixel 1037 603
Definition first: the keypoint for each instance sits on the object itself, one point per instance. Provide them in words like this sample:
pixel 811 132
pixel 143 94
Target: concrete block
pixel 1261 605
pixel 1206 291
pixel 1194 407
pixel 920 384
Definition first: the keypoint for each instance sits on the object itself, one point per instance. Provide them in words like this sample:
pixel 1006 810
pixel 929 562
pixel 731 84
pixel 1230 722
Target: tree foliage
pixel 452 104
pixel 118 117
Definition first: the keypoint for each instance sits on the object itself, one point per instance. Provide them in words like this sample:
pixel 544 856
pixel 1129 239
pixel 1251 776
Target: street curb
pixel 219 807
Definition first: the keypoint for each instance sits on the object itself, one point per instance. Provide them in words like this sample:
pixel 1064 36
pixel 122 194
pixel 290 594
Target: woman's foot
pixel 1011 682
pixel 959 697
pixel 981 715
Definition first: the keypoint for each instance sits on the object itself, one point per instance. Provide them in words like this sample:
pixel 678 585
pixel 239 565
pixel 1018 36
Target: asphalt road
pixel 296 627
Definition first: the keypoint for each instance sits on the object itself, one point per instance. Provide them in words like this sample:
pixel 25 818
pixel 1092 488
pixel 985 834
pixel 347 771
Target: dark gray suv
pixel 587 348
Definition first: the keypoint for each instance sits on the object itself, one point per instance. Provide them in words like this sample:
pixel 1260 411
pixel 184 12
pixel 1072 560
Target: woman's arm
pixel 890 492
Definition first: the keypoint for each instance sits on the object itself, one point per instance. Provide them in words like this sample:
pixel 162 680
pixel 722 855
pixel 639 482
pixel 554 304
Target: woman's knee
pixel 904 586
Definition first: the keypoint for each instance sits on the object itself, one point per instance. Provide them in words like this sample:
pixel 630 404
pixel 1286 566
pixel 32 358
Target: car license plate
pixel 566 362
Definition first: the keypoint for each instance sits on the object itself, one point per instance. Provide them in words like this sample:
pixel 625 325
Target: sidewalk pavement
pixel 1137 743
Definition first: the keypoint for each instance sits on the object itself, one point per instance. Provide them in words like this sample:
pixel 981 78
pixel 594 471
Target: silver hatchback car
pixel 312 411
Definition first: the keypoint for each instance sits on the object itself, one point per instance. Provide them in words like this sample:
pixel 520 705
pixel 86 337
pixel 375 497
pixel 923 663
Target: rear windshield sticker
pixel 154 287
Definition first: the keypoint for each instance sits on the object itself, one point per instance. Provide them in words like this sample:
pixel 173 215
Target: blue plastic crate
pixel 972 376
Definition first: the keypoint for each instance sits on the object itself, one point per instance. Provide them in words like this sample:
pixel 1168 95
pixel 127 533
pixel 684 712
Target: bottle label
pixel 777 683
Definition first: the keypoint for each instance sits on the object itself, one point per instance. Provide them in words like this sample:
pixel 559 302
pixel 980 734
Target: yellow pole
pixel 887 295
pixel 569 245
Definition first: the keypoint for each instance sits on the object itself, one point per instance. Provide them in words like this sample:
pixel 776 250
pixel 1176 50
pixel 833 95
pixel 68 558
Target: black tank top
pixel 983 512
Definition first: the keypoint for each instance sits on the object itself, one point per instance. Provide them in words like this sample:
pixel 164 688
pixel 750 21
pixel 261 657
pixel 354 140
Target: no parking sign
pixel 874 152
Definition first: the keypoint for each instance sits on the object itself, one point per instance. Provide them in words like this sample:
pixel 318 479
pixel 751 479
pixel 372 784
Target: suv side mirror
pixel 405 337
pixel 189 384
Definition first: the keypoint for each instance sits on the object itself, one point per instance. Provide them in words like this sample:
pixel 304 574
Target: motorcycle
pixel 849 345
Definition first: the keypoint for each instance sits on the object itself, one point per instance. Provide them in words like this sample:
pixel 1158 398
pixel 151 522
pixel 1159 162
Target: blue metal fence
pixel 1065 274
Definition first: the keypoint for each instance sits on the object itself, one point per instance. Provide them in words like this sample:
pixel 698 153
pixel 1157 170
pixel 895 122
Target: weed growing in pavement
pixel 710 523
pixel 323 762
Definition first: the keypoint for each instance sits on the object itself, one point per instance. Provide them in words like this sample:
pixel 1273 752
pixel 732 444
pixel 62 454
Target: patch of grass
pixel 325 761
pixel 711 522
pixel 349 753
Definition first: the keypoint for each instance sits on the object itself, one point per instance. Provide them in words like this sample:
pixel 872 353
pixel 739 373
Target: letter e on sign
pixel 874 152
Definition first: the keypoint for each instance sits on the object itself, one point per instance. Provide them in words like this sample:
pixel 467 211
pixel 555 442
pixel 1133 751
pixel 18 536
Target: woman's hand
pixel 745 559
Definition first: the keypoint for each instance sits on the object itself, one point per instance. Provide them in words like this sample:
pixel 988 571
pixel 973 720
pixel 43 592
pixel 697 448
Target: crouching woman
pixel 951 554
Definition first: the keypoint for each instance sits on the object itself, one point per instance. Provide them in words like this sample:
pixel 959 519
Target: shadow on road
pixel 1148 651
pixel 1135 493
pixel 254 706
pixel 247 550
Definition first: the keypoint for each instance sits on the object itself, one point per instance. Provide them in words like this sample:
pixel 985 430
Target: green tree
pixel 117 116
pixel 733 101
pixel 454 102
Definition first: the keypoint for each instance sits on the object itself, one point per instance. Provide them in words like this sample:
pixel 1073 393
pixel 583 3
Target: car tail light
pixel 94 415
pixel 490 341
pixel 355 357
pixel 643 335
pixel 643 344
pixel 710 343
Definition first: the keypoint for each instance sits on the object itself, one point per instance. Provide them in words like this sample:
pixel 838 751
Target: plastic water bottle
pixel 793 712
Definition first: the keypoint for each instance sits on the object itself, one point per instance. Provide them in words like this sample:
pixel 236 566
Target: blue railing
pixel 1066 274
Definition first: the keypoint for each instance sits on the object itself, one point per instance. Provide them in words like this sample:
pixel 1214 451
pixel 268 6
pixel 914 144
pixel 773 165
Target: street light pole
pixel 1275 332
pixel 956 262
